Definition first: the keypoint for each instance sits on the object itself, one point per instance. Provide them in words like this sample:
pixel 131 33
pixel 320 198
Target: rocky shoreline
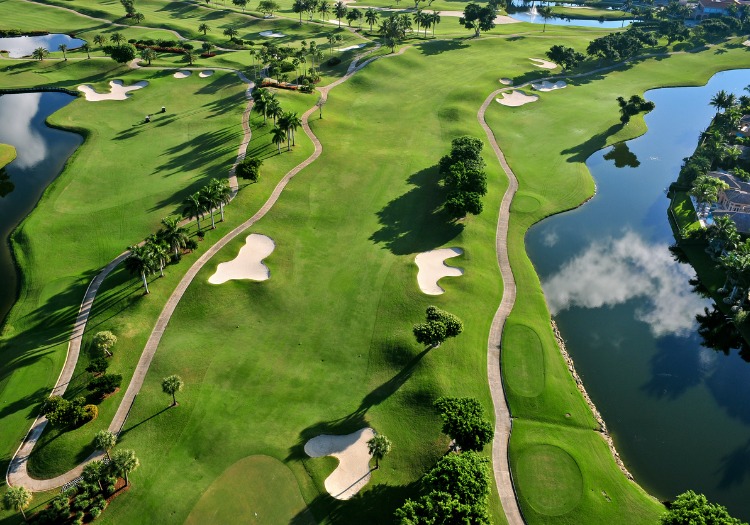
pixel 602 425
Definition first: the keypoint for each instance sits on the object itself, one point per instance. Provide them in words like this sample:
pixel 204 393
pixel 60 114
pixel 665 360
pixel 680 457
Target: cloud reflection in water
pixel 613 271
pixel 17 130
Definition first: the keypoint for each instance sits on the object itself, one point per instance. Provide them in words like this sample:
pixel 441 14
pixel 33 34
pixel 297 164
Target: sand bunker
pixel 746 43
pixel 183 73
pixel 353 471
pixel 117 91
pixel 432 269
pixel 206 73
pixel 516 98
pixel 271 34
pixel 549 86
pixel 505 81
pixel 546 64
pixel 249 262
pixel 358 46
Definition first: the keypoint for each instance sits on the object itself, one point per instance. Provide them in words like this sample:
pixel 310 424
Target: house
pixel 743 129
pixel 708 8
pixel 734 201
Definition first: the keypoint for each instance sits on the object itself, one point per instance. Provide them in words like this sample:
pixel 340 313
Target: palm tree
pixel 546 13
pixel 159 250
pixel 435 20
pixel 273 108
pixel 340 10
pixel 105 440
pixel 39 53
pixel 63 48
pixel 190 56
pixel 324 8
pixel 171 385
pixel 173 234
pixel 285 126
pixel 293 122
pixel 194 208
pixel 418 16
pixel 261 98
pixel 124 462
pixel 141 262
pixel 231 33
pixel 87 49
pixel 94 471
pixel 719 101
pixel 138 18
pixel 223 193
pixel 100 40
pixel 379 447
pixel 210 201
pixel 278 136
pixel 148 54
pixel 17 498
pixel 331 39
pixel 116 38
pixel 204 28
pixel 371 17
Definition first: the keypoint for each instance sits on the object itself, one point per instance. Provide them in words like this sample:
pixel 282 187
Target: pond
pixel 41 154
pixel 677 408
pixel 21 46
pixel 521 11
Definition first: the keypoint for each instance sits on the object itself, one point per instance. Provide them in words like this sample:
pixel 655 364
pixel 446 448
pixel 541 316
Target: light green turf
pixel 257 489
pixel 7 154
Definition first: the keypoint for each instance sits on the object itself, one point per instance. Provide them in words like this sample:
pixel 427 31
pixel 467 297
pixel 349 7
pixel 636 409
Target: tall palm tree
pixel 190 56
pixel 223 193
pixel 63 48
pixel 260 102
pixel 331 39
pixel 379 447
pixel 418 16
pixel 40 53
pixel 116 38
pixel 159 250
pixel 283 124
pixel 171 385
pixel 435 20
pixel 719 101
pixel 546 13
pixel 278 136
pixel 340 10
pixel 105 440
pixel 100 40
pixel 148 54
pixel 371 17
pixel 194 208
pixel 141 262
pixel 87 49
pixel 210 201
pixel 124 462
pixel 293 123
pixel 17 498
pixel 324 8
pixel 204 28
pixel 231 32
pixel 274 108
pixel 173 234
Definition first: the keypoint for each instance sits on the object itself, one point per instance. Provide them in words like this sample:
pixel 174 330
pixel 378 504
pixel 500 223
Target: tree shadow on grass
pixel 415 222
pixel 584 150
pixel 439 47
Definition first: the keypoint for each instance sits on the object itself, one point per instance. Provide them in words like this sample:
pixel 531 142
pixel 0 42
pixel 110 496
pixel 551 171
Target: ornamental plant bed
pixel 281 85
pixel 160 49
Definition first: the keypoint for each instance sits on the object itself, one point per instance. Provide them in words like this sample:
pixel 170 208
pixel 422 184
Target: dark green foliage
pixel 477 17
pixel 122 54
pixel 63 413
pixel 621 46
pixel 464 177
pixel 333 61
pixel 438 326
pixel 98 366
pixel 457 490
pixel 463 420
pixel 105 384
pixel 249 168
pixel 567 57
pixel 693 167
pixel 633 106
pixel 690 508
pixel 56 512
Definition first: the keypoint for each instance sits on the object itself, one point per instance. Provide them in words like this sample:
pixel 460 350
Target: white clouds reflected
pixel 614 271
pixel 15 128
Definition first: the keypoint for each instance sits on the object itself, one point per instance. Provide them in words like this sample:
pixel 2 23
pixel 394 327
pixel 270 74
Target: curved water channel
pixel 41 154
pixel 678 410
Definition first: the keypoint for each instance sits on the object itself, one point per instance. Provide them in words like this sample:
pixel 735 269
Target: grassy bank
pixel 7 154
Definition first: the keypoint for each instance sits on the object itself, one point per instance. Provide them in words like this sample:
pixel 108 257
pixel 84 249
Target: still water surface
pixel 679 411
pixel 41 154
pixel 21 46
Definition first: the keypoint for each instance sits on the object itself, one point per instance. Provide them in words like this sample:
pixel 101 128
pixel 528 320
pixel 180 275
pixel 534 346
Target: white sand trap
pixel 546 64
pixel 506 81
pixel 358 46
pixel 353 471
pixel 746 43
pixel 432 268
pixel 549 86
pixel 183 73
pixel 516 98
pixel 206 73
pixel 249 262
pixel 271 34
pixel 117 91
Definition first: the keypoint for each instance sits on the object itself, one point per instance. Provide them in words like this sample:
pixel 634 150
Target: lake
pixel 21 46
pixel 678 411
pixel 41 154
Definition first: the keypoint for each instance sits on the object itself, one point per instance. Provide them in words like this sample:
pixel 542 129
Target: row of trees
pixel 285 124
pixel 463 176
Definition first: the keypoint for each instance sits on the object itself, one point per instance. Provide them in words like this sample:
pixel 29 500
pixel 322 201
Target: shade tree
pixel 103 342
pixel 463 420
pixel 477 17
pixel 567 57
pixel 692 508
pixel 438 326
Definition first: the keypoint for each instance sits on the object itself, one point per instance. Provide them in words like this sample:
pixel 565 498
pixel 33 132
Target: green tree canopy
pixel 105 440
pixel 17 498
pixel 691 508
pixel 379 446
pixel 438 326
pixel 463 420
pixel 171 385
pixel 477 17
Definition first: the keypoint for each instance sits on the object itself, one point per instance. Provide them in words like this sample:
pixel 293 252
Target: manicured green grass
pixel 589 13
pixel 684 213
pixel 7 154
pixel 260 489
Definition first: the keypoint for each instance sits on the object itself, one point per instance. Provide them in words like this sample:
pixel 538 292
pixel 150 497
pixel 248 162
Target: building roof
pixel 716 4
pixel 741 219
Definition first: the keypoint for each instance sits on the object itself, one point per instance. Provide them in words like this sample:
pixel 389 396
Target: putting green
pixel 524 369
pixel 523 203
pixel 549 479
pixel 7 154
pixel 255 489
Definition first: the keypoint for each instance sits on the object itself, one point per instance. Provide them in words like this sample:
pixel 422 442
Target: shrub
pixel 81 503
pixel 188 46
pixel 61 413
pixel 95 512
pixel 105 384
pixel 191 244
pixel 334 61
pixel 122 54
pixel 91 412
pixel 98 365
pixel 132 41
pixel 249 168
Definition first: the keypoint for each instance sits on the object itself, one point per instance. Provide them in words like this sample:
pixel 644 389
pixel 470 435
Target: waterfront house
pixel 734 201
pixel 708 8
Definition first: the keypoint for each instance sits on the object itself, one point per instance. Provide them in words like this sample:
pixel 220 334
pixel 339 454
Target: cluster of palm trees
pixel 426 20
pixel 285 124
pixel 732 254
pixel 159 248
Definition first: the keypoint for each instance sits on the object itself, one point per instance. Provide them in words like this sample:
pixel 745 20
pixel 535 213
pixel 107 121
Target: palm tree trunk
pixel 174 400
pixel 145 282
pixel 161 267
pixel 213 224
pixel 221 208
pixel 127 481
pixel 198 220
